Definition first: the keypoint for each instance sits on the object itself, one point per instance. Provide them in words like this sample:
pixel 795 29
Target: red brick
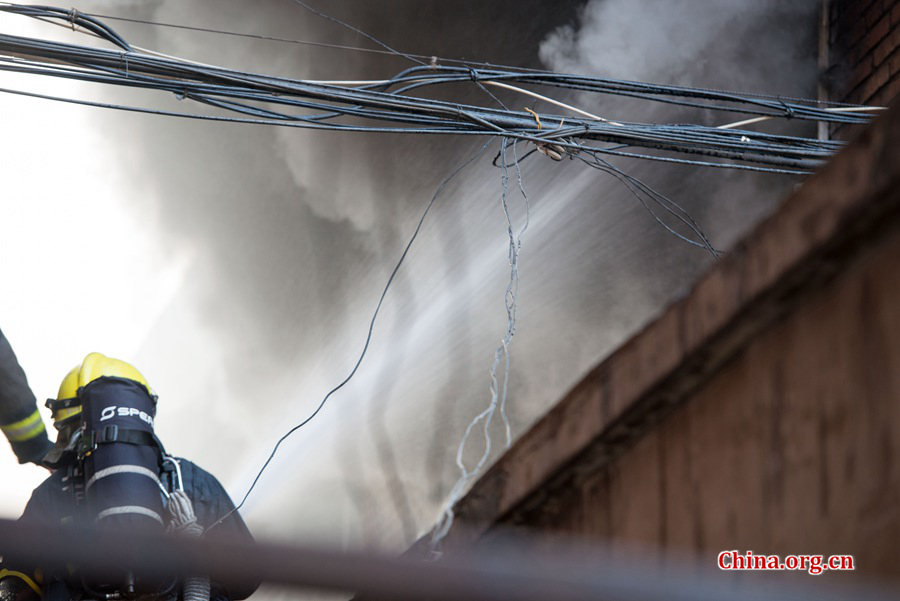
pixel 856 55
pixel 860 72
pixel 855 28
pixel 893 63
pixel 886 46
pixel 852 10
pixel 873 12
pixel 887 94
pixel 863 47
pixel 879 77
pixel 879 99
pixel 891 92
pixel 873 35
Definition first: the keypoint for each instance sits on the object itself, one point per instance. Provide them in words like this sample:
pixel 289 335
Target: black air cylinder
pixel 121 473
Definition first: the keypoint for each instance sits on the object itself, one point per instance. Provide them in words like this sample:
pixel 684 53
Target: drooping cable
pixel 357 30
pixel 387 286
pixel 498 390
pixel 431 59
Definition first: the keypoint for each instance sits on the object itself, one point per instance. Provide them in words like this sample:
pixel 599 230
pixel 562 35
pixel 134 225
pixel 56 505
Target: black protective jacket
pixel 51 504
pixel 20 420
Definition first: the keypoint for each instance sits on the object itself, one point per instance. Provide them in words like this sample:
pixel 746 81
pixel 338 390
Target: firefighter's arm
pixel 18 586
pixel 20 420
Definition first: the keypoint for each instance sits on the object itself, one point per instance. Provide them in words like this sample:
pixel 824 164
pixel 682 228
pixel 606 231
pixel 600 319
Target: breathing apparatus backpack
pixel 116 474
pixel 120 455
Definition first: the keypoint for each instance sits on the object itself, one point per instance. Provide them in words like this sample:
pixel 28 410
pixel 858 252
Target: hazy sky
pixel 237 266
pixel 79 271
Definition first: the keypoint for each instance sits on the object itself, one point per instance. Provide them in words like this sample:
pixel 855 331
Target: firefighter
pixel 110 469
pixel 20 419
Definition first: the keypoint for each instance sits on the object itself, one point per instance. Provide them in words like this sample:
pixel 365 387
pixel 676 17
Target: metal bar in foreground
pixel 491 573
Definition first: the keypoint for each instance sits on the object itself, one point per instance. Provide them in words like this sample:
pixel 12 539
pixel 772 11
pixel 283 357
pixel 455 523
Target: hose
pixel 182 519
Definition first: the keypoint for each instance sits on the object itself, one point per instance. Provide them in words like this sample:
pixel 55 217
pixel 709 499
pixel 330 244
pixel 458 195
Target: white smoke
pixel 763 46
pixel 649 40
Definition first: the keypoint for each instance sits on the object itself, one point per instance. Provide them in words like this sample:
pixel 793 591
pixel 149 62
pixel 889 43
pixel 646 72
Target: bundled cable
pixel 73 17
pixel 395 104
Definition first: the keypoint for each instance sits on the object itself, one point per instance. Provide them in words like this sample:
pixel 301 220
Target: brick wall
pixel 864 51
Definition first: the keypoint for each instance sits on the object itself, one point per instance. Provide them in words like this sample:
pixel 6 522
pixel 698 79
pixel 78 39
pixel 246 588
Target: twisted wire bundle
pixel 389 106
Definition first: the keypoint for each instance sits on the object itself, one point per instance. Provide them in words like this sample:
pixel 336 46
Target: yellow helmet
pixel 94 366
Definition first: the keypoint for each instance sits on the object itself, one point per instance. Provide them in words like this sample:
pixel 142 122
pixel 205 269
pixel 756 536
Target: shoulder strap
pixel 110 434
pixel 116 434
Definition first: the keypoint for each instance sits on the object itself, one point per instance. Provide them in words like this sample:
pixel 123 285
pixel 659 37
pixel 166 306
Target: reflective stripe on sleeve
pixel 24 429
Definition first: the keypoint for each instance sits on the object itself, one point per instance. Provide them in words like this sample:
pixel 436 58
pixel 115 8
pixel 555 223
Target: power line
pixel 354 108
pixel 357 30
pixel 432 59
pixel 390 280
pixel 255 36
